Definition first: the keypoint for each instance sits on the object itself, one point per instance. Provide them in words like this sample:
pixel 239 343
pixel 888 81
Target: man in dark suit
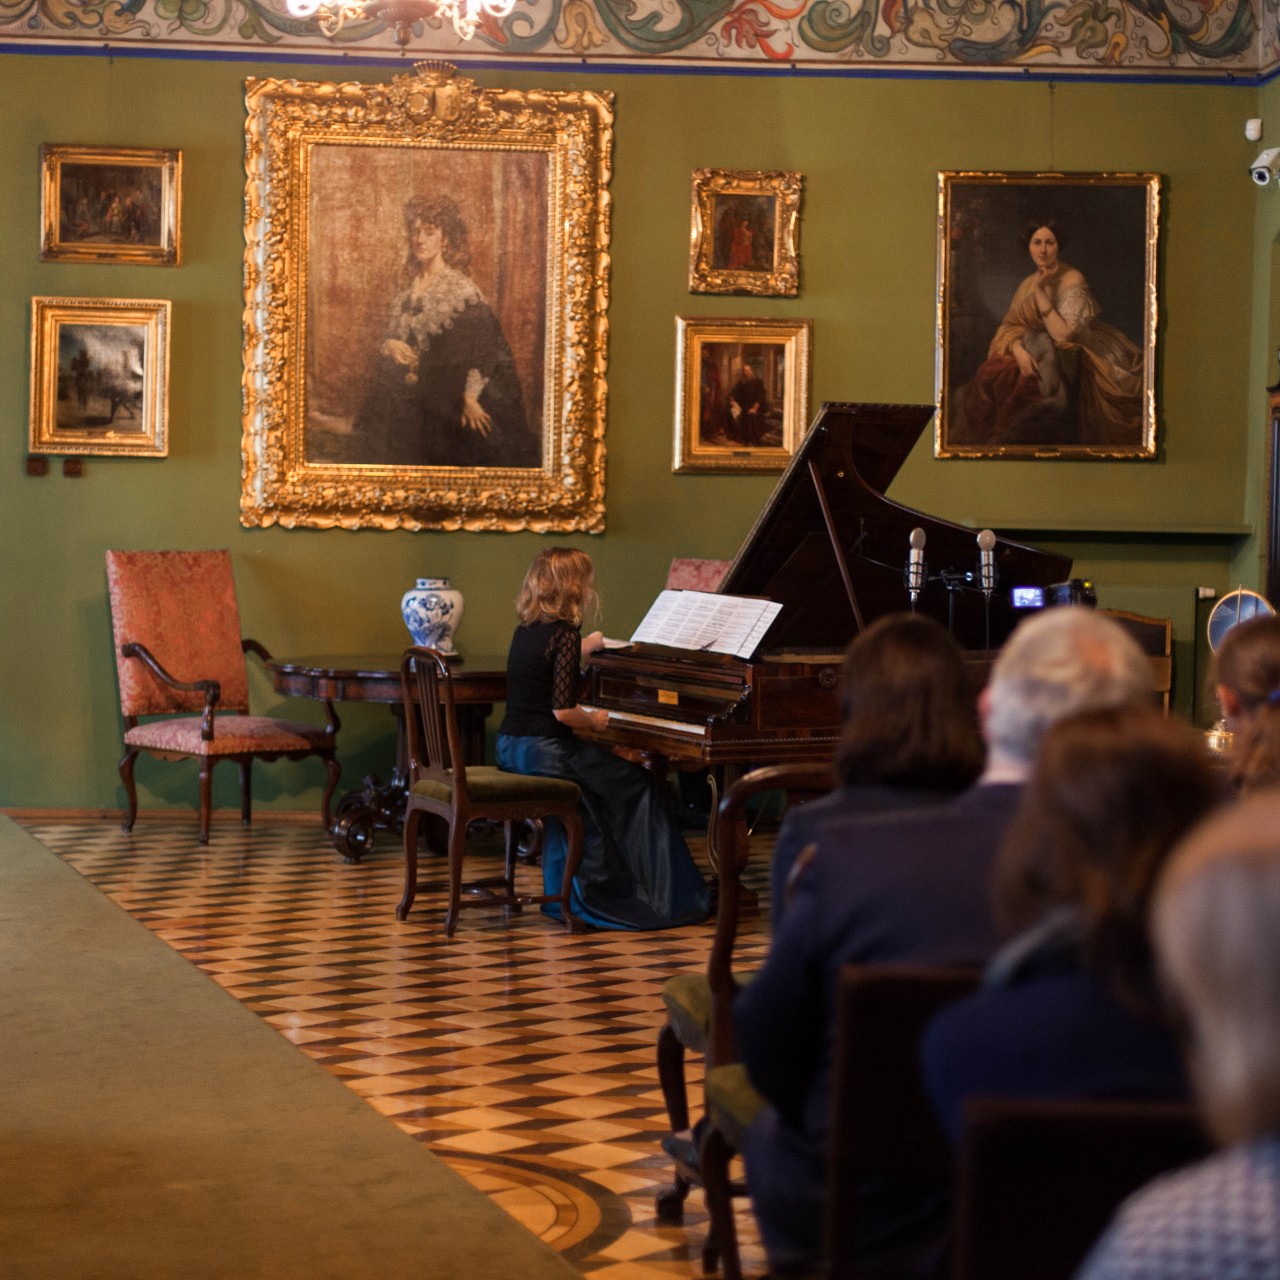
pixel 911 887
pixel 744 419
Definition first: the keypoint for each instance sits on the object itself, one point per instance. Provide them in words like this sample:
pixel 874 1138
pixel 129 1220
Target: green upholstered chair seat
pixel 688 1000
pixel 732 1101
pixel 487 785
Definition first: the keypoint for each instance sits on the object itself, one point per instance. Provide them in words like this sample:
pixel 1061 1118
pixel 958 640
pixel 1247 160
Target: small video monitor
pixel 1027 597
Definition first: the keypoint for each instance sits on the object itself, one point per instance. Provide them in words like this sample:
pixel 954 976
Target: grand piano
pixel 832 550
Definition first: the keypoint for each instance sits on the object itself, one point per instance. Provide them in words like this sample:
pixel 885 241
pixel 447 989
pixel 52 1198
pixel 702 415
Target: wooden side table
pixel 478 683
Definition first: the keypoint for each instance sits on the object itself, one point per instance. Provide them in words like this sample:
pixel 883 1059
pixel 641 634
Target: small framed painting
pixel 742 393
pixel 99 376
pixel 110 204
pixel 1047 313
pixel 745 235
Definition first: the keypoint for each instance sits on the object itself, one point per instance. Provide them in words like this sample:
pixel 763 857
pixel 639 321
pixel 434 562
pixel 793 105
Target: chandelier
pixel 400 15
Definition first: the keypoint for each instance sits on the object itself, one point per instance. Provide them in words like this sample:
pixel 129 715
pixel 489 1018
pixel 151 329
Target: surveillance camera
pixel 1266 166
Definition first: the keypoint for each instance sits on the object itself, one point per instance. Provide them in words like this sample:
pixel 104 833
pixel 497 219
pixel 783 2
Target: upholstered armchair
pixel 179 654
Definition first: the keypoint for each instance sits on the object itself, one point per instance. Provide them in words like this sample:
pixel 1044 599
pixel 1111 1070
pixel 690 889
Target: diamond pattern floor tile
pixel 521 1055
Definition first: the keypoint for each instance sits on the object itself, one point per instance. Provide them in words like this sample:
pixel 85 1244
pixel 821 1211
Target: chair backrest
pixel 1154 636
pixel 430 717
pixel 1039 1180
pixel 732 851
pixel 181 606
pixel 688 574
pixel 881 1120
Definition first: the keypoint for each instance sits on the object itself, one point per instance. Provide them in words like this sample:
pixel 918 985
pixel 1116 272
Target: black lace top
pixel 542 677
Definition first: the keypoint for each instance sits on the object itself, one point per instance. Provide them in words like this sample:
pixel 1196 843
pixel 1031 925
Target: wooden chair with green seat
pixel 473 792
pixel 699 1005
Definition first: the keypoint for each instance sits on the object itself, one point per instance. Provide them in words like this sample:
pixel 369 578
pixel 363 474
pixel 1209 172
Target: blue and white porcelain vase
pixel 432 611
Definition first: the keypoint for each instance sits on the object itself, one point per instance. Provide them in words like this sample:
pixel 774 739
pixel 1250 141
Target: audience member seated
pixel 1069 1007
pixel 1219 950
pixel 911 886
pixel 1246 679
pixel 909 736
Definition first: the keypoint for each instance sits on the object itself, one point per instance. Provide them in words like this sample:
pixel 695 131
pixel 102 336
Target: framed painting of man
pixel 1047 314
pixel 110 204
pixel 742 393
pixel 426 284
pixel 745 232
pixel 99 376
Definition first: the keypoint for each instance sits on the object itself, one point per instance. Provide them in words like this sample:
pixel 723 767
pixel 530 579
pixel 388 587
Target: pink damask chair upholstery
pixel 688 574
pixel 179 654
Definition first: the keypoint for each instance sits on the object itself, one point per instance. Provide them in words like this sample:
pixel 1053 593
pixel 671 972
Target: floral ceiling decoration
pixel 1160 37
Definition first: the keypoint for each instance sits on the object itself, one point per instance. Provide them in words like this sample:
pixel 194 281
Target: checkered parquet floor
pixel 521 1055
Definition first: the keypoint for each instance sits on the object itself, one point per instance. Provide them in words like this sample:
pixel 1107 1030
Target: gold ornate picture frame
pixel 100 376
pixel 745 236
pixel 1047 314
pixel 426 284
pixel 742 393
pixel 110 204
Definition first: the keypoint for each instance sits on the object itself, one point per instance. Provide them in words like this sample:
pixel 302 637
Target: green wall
pixel 870 150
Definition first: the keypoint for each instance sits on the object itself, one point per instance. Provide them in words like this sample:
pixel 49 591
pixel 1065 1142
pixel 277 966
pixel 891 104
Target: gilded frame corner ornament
pixel 742 393
pixel 110 204
pixel 1046 344
pixel 745 232
pixel 351 406
pixel 100 376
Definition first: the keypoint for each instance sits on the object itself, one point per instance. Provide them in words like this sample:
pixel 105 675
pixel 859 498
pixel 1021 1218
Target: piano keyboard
pixel 656 722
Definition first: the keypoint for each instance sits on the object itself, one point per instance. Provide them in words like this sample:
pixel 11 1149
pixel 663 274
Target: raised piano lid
pixel 828 517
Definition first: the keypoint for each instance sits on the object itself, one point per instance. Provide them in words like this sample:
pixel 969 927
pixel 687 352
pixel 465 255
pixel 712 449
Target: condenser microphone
pixel 987 562
pixel 915 566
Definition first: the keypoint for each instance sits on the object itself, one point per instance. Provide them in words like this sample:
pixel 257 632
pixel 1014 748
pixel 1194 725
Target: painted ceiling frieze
pixel 1167 37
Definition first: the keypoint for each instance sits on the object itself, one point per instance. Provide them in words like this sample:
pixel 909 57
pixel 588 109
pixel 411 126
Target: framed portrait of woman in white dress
pixel 1047 314
pixel 426 291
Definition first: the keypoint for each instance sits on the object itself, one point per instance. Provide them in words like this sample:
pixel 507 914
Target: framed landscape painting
pixel 1047 315
pixel 99 376
pixel 426 284
pixel 742 393
pixel 110 204
pixel 745 232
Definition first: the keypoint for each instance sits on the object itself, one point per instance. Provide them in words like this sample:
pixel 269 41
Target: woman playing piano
pixel 636 872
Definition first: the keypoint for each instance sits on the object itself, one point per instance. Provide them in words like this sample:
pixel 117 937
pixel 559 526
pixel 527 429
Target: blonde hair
pixel 1219 949
pixel 557 587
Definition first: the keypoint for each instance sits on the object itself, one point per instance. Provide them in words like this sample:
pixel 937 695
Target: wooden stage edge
pixel 155 1127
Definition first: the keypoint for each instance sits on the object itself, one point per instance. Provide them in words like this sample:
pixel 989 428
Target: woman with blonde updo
pixel 636 871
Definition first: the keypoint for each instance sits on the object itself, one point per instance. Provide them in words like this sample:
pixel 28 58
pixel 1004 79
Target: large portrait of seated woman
pixel 411 362
pixel 426 292
pixel 1048 315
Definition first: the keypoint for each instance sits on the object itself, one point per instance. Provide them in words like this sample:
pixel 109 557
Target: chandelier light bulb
pixel 400 15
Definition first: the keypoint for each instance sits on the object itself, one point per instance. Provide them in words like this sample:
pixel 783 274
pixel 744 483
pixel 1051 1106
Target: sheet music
pixel 707 620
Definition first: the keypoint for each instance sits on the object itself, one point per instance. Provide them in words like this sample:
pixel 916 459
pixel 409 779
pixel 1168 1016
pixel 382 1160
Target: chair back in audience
pixel 1154 636
pixel 1039 1180
pixel 881 1119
